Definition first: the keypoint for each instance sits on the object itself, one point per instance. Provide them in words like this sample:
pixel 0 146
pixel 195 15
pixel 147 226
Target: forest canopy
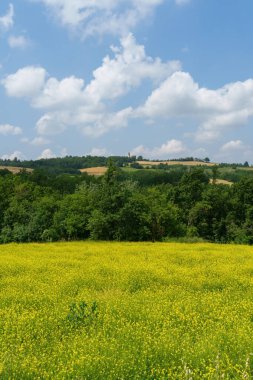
pixel 124 205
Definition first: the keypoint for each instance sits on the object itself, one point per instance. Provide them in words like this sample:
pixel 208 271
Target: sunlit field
pixel 126 311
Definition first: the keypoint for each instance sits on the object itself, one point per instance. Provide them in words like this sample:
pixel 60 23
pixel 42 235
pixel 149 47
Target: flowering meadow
pixel 91 310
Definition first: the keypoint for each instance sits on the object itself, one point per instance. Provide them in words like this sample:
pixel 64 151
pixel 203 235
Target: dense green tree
pixel 132 205
pixel 72 215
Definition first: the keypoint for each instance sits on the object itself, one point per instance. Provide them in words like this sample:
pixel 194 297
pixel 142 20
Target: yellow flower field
pixel 126 311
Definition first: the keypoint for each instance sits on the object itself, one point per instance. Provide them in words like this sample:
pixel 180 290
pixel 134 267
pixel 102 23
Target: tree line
pixel 41 207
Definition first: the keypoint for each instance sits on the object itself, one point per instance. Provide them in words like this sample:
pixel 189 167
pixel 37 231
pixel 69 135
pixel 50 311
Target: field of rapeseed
pixel 126 311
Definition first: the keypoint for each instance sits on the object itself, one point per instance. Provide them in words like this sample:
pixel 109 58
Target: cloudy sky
pixel 157 78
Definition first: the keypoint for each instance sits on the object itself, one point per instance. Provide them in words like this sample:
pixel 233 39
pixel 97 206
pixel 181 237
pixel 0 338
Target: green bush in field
pixel 81 314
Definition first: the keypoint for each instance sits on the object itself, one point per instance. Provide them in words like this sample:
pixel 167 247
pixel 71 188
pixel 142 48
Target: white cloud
pixel 20 42
pixel 17 154
pixel 99 17
pixel 167 150
pixel 234 151
pixel 92 107
pixel 215 111
pixel 26 82
pixel 233 145
pixel 114 78
pixel 37 141
pixel 47 153
pixel 99 152
pixel 95 125
pixel 63 93
pixel 7 129
pixel 7 21
pixel 50 124
pixel 174 97
pixel 90 123
pixel 130 66
pixel 64 152
pixel 68 102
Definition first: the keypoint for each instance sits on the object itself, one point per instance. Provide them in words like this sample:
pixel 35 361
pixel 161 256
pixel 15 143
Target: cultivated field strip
pixel 126 311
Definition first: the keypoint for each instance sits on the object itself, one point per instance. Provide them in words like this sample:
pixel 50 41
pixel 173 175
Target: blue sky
pixel 157 78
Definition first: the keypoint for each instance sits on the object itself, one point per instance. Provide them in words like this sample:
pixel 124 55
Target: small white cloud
pixel 96 125
pixel 185 50
pixel 26 82
pixel 17 154
pixel 167 150
pixel 20 42
pixel 7 129
pixel 232 146
pixel 234 151
pixel 100 17
pixel 47 153
pixel 64 152
pixel 37 141
pixel 7 21
pixel 199 153
pixel 99 152
pixel 50 125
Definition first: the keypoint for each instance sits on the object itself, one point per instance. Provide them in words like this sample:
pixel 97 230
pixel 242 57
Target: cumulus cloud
pixel 167 150
pixel 7 129
pixel 57 93
pixel 17 154
pixel 232 145
pixel 26 82
pixel 47 153
pixel 130 66
pixel 7 20
pixel 92 107
pixel 69 102
pixel 234 150
pixel 98 17
pixel 213 110
pixel 99 152
pixel 37 141
pixel 51 124
pixel 95 125
pixel 114 78
pixel 19 42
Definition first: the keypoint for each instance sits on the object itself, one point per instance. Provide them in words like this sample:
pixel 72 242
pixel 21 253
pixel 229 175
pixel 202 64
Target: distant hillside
pixel 96 166
pixel 187 163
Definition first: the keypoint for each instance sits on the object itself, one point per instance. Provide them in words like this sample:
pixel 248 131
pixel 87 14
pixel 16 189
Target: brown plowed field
pixel 15 170
pixel 95 171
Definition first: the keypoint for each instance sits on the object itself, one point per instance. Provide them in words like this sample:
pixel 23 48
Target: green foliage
pixel 82 314
pixel 136 165
pixel 126 205
pixel 72 215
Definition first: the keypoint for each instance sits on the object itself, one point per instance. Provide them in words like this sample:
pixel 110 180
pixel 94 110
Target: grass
pixel 126 311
